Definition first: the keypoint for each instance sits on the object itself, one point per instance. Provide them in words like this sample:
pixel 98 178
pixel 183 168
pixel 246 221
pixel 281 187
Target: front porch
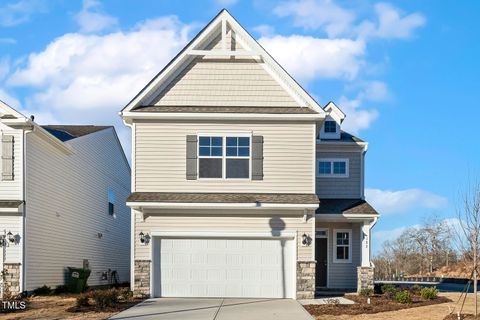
pixel 342 246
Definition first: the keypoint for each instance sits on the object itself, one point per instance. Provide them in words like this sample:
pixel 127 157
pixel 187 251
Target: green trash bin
pixel 77 279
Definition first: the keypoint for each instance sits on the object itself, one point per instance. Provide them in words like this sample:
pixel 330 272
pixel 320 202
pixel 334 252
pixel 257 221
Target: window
pixel 233 163
pixel 343 246
pixel 330 126
pixel 210 152
pixel 111 203
pixel 336 168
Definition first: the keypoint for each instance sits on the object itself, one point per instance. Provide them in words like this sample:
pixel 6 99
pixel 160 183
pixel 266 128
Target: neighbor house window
pixel 111 202
pixel 332 168
pixel 343 247
pixel 330 126
pixel 225 157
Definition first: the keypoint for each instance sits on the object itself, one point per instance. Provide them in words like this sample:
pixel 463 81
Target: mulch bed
pixel 378 303
pixel 119 306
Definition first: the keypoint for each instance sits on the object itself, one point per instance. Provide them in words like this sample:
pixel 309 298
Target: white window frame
pixel 331 174
pixel 224 156
pixel 335 232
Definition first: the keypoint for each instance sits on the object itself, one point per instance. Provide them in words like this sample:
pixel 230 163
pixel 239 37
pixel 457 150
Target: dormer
pixel 331 127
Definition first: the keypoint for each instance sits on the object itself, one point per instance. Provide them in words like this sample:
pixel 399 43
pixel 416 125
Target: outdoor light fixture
pixel 10 236
pixel 142 237
pixel 306 240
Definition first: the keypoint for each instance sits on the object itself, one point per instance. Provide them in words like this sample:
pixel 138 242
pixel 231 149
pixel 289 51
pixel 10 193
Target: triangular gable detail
pixel 236 44
pixel 335 112
pixel 6 110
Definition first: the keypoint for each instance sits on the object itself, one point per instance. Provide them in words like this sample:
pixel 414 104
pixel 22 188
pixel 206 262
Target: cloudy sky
pixel 404 72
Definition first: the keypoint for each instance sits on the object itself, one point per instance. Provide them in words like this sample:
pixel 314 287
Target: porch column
pixel 365 238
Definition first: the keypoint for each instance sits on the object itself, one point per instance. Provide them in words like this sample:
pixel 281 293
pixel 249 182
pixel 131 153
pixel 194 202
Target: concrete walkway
pixel 216 309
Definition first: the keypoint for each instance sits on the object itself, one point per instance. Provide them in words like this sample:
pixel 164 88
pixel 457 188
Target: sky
pixel 404 72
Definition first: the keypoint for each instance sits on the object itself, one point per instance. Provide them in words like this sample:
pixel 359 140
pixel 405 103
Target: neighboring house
pixel 243 186
pixel 62 199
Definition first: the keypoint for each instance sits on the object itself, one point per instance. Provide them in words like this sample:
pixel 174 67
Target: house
pixel 243 185
pixel 62 202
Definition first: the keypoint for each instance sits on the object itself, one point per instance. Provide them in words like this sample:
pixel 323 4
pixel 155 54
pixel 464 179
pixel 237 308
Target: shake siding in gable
pixel 160 157
pixel 67 209
pixel 12 190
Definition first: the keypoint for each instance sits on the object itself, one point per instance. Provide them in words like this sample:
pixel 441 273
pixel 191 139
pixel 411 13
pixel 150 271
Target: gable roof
pixel 251 48
pixel 345 206
pixel 69 132
pixel 335 112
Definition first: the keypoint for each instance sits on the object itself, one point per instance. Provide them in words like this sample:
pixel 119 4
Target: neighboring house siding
pixel 13 190
pixel 67 209
pixel 350 187
pixel 342 275
pixel 229 221
pixel 160 157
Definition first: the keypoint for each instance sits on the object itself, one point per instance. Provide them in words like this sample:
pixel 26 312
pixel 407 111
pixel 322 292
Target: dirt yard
pixel 432 312
pixel 56 307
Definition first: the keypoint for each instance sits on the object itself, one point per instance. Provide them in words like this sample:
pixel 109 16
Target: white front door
pixel 221 267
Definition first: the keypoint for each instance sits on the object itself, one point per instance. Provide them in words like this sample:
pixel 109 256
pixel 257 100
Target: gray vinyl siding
pixel 342 275
pixel 160 157
pixel 350 187
pixel 67 209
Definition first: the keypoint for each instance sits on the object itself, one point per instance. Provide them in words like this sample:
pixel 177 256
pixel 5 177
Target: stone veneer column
pixel 142 278
pixel 365 278
pixel 12 280
pixel 306 279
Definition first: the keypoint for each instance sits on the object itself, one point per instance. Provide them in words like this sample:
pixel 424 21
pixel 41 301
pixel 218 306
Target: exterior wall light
pixel 142 237
pixel 306 240
pixel 10 237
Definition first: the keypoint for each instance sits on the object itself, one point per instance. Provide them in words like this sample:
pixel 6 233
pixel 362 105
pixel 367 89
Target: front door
pixel 321 257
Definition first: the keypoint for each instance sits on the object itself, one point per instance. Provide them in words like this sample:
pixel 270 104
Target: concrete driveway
pixel 216 309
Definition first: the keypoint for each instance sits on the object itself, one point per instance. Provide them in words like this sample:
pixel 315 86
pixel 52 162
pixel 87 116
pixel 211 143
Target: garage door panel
pixel 257 268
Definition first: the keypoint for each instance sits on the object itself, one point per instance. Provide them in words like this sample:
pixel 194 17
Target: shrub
pixel 125 293
pixel 429 293
pixel 83 300
pixel 366 292
pixel 42 291
pixel 417 289
pixel 403 297
pixel 61 289
pixel 389 291
pixel 105 298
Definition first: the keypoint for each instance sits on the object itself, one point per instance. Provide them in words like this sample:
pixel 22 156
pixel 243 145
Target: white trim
pixel 334 239
pixel 132 249
pixel 333 175
pixel 223 53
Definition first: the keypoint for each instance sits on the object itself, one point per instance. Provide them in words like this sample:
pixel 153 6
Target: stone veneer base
pixel 142 278
pixel 306 279
pixel 365 277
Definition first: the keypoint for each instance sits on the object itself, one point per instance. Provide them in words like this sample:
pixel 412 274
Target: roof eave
pixel 214 205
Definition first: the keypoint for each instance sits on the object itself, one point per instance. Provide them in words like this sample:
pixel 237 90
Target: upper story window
pixel 224 157
pixel 111 202
pixel 343 247
pixel 332 168
pixel 330 126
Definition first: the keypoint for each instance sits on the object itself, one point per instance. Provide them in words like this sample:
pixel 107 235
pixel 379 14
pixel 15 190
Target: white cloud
pixel 308 58
pixel 392 23
pixel 15 13
pixel 85 78
pixel 374 91
pixel 9 99
pixel 91 20
pixel 264 30
pixel 315 14
pixel 379 237
pixel 390 202
pixel 358 118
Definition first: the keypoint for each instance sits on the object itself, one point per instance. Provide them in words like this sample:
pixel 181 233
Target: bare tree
pixel 469 219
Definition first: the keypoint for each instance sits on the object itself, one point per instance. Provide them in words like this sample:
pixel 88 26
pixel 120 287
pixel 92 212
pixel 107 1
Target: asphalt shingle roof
pixel 348 206
pixel 69 132
pixel 10 203
pixel 193 109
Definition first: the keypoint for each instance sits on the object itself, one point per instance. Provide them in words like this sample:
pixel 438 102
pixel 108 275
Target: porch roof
pixel 345 206
pixel 10 203
pixel 191 197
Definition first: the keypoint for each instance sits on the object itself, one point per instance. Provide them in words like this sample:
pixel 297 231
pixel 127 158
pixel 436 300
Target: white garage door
pixel 254 268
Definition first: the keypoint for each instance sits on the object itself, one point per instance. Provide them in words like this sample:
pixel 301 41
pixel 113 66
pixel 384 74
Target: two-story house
pixel 62 203
pixel 242 185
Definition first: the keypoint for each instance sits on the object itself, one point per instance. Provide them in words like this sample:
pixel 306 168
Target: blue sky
pixel 405 72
